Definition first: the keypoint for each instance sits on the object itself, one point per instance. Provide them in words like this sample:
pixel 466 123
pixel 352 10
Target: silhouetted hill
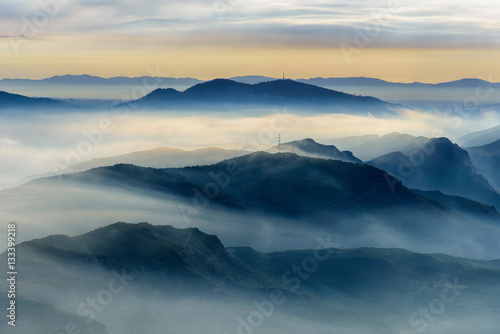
pixel 159 250
pixel 159 269
pixel 283 183
pixel 376 270
pixel 468 82
pixel 487 159
pixel 480 138
pixel 224 92
pixel 438 164
pixel 15 101
pixel 346 198
pixel 309 148
pixel 377 83
pixel 71 86
pixel 461 204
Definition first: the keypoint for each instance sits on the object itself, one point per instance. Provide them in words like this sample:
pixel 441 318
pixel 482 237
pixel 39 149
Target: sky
pixel 402 41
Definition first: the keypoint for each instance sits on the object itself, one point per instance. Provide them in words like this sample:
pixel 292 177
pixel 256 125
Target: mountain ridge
pixel 344 197
pixel 258 79
pixel 438 164
pixel 18 101
pixel 310 148
pixel 347 287
pixel 225 92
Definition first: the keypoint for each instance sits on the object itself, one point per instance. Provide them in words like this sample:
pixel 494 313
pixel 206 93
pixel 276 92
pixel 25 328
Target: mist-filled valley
pixel 249 167
pixel 251 207
pixel 168 280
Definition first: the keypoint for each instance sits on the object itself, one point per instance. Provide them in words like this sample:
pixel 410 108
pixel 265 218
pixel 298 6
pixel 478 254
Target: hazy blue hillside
pixel 487 159
pixel 26 104
pixel 349 199
pixel 309 148
pixel 159 269
pixel 284 93
pixel 461 204
pixel 480 138
pixel 438 164
pixel 190 278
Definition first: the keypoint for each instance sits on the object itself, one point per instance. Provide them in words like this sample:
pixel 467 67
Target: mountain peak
pixel 280 92
pixel 308 140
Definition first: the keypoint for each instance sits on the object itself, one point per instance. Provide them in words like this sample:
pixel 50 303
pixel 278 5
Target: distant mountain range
pixel 95 80
pixel 120 88
pixel 319 81
pixel 126 88
pixel 224 94
pixel 184 278
pixel 367 82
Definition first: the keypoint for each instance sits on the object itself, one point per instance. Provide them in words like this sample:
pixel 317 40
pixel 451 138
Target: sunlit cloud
pixel 25 152
pixel 105 29
pixel 401 23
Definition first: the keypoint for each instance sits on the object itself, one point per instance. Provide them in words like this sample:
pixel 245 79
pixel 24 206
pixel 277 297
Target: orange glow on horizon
pixel 205 63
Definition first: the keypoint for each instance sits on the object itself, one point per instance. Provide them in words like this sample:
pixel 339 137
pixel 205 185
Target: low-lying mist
pixel 43 143
pixel 71 209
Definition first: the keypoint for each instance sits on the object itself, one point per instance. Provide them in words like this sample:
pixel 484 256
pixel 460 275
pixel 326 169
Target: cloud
pixel 56 136
pixel 426 24
pixel 7 142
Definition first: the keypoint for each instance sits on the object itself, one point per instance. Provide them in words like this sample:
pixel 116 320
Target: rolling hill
pixel 487 160
pixel 183 279
pixel 349 199
pixel 309 148
pixel 480 138
pixel 25 103
pixel 278 93
pixel 438 164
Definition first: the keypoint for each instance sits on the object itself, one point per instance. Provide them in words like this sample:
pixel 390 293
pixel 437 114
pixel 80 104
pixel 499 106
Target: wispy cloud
pixel 322 23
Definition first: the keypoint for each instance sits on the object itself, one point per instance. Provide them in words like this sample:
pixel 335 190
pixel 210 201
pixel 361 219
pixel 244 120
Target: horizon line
pixel 243 76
